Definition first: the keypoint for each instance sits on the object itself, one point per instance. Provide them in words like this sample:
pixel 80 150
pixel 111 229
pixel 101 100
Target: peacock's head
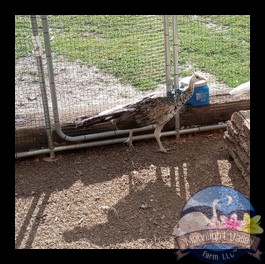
pixel 196 77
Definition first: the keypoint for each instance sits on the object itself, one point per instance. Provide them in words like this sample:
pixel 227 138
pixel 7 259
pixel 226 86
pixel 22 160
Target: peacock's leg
pixel 129 140
pixel 157 134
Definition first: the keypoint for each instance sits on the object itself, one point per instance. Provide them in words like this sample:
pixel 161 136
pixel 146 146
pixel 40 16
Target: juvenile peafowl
pixel 148 111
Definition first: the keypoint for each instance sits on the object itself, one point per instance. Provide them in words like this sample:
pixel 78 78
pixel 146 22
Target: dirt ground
pixel 113 197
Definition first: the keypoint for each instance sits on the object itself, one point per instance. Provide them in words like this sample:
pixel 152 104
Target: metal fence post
pixel 176 70
pixel 38 55
pixel 167 54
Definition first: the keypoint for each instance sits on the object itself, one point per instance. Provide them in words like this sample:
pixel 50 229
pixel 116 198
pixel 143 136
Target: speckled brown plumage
pixel 148 111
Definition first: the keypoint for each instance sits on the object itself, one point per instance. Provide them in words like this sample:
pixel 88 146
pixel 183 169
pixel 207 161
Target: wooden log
pixel 220 109
pixel 239 138
pixel 241 154
pixel 238 130
pixel 30 138
pixel 241 120
pixel 240 166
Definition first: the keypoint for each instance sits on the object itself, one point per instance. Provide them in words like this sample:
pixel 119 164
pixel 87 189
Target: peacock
pixel 148 111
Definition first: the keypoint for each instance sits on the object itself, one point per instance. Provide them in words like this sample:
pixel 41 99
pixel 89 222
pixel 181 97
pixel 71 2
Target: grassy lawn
pixel 217 44
pixel 23 35
pixel 132 47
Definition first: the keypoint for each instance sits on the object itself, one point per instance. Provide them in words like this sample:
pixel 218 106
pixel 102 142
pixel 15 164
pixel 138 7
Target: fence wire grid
pixel 103 61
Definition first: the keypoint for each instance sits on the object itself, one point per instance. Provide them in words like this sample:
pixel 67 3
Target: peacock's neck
pixel 185 95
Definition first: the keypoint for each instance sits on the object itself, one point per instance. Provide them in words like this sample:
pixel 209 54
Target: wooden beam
pixel 217 111
pixel 220 109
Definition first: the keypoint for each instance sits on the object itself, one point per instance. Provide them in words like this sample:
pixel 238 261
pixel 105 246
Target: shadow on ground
pixel 148 213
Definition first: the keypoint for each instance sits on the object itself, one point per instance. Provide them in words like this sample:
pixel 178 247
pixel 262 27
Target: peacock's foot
pixel 129 143
pixel 163 150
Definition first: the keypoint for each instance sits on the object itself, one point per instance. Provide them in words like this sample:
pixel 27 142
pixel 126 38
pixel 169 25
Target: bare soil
pixel 113 197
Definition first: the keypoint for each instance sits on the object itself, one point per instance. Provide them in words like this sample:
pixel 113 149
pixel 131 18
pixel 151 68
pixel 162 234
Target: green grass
pixel 222 49
pixel 23 35
pixel 132 47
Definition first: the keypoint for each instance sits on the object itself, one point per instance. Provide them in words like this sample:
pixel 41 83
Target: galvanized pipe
pixel 175 53
pixel 38 56
pixel 176 71
pixel 115 141
pixel 167 54
pixel 46 36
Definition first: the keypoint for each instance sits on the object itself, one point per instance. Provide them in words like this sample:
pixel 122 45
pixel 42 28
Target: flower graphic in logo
pixel 252 224
pixel 218 224
pixel 228 223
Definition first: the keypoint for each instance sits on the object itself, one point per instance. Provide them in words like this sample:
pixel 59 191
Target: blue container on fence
pixel 201 92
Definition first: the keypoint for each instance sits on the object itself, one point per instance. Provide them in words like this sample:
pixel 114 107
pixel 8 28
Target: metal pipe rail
pixel 117 140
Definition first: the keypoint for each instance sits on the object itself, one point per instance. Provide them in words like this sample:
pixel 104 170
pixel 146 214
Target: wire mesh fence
pixel 218 45
pixel 104 61
pixel 29 114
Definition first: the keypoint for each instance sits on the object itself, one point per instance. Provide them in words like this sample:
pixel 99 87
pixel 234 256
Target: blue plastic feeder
pixel 201 92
